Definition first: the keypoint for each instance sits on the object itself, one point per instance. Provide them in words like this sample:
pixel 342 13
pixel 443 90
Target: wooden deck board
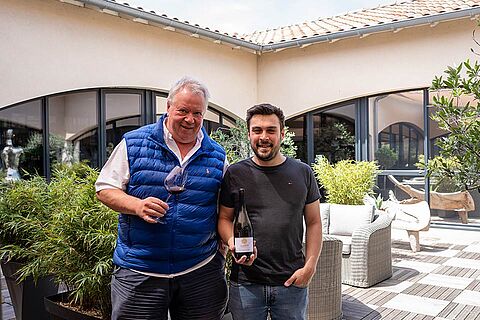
pixel 465 312
pixel 474 286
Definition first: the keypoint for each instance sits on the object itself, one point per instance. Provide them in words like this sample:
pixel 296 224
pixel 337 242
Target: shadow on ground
pixel 353 309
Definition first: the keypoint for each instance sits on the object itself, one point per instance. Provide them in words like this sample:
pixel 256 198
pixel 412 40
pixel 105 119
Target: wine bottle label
pixel 244 245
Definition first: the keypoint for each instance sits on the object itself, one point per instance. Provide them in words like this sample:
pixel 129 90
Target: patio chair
pixel 366 250
pixel 412 217
pixel 325 289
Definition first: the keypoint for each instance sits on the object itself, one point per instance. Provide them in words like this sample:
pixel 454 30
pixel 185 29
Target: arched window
pixel 329 132
pixel 82 125
pixel 406 140
pixel 334 136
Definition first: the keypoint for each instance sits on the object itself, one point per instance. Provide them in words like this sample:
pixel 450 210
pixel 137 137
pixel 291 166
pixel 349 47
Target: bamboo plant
pixel 347 181
pixel 77 238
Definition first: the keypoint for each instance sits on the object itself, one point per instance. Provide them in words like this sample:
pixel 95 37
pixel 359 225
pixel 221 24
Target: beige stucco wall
pixel 50 47
pixel 306 78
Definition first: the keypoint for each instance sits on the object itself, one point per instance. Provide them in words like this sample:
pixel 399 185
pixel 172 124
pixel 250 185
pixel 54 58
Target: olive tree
pixel 457 110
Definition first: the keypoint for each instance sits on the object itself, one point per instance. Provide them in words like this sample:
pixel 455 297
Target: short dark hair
pixel 266 109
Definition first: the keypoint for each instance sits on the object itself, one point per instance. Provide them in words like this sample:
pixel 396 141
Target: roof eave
pixel 172 23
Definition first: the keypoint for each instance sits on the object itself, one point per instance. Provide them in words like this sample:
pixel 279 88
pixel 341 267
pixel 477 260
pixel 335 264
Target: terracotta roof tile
pixel 395 12
pixel 356 20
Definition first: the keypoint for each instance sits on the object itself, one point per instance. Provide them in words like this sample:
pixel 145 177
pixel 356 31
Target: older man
pixel 175 265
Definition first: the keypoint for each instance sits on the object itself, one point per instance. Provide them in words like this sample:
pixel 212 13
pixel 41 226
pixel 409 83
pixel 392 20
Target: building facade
pixel 76 75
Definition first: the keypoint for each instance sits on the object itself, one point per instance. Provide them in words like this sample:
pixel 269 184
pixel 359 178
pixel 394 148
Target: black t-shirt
pixel 275 198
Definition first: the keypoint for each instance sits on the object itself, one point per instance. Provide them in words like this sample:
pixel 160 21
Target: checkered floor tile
pixel 440 282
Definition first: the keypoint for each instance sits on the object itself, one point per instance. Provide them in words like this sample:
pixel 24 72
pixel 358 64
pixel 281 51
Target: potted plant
pixel 365 234
pixel 81 240
pixel 347 181
pixel 77 245
pixel 24 215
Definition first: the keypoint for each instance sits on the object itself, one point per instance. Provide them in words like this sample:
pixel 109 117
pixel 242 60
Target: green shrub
pixel 438 180
pixel 78 235
pixel 347 181
pixel 386 157
pixel 234 141
pixel 335 141
pixel 83 234
pixel 24 216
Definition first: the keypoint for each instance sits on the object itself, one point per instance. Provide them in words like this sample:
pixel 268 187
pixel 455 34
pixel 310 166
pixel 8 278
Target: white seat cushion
pixel 344 219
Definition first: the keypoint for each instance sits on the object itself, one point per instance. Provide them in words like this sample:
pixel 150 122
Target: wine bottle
pixel 242 230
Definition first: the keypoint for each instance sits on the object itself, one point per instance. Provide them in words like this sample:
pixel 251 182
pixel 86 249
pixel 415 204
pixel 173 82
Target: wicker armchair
pixel 366 252
pixel 325 289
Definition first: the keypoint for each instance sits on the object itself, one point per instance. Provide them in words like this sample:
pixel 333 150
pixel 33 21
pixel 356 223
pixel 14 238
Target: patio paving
pixel 7 308
pixel 442 281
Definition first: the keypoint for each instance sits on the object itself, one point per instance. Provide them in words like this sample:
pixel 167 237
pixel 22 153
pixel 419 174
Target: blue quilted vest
pixel 189 235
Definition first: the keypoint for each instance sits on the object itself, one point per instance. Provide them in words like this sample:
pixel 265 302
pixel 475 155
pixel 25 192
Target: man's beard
pixel 266 156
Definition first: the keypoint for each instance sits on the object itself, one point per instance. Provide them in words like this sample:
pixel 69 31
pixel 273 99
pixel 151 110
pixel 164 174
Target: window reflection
pixel 228 122
pixel 73 131
pixel 25 122
pixel 334 133
pixel 211 120
pixel 160 106
pixel 86 146
pixel 396 130
pixel 298 125
pixel 399 146
pixel 123 114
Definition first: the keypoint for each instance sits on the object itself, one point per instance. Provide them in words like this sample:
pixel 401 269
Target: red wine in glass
pixel 175 190
pixel 175 184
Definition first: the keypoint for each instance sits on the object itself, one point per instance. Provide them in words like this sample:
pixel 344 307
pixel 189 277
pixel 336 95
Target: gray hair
pixel 193 85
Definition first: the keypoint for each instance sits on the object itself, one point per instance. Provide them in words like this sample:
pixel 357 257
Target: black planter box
pixel 59 312
pixel 27 296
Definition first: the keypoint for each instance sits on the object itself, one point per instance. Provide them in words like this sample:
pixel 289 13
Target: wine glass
pixel 175 184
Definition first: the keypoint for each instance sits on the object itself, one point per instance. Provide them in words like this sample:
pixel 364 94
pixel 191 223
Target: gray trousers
pixel 200 294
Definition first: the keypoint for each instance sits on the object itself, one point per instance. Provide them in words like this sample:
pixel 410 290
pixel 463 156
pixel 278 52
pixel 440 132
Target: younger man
pixel 280 193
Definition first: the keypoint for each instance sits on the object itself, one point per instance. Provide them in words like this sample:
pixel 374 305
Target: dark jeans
pixel 200 294
pixel 250 301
